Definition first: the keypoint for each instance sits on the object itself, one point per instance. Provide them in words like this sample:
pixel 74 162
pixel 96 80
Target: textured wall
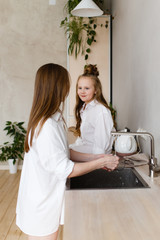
pixel 136 65
pixel 30 36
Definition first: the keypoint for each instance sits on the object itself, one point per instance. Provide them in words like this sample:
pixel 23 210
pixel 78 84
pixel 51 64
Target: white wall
pixel 30 36
pixel 136 65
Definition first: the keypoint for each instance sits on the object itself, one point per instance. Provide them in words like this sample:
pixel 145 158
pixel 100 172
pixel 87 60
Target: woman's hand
pixel 107 161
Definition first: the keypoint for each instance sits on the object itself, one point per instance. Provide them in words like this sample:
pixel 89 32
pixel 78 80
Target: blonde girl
pixel 94 122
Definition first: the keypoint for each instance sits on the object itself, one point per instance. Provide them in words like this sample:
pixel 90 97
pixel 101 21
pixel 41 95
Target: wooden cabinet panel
pixel 100 55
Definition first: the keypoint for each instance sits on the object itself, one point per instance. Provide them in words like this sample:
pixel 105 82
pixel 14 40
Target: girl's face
pixel 86 89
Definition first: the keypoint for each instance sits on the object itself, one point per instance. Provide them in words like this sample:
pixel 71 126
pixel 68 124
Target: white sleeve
pixel 52 151
pixel 78 142
pixel 102 134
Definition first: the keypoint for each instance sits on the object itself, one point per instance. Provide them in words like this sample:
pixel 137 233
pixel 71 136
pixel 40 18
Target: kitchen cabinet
pixel 100 55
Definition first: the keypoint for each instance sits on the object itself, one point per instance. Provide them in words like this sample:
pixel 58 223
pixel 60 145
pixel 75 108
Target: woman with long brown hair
pixel 94 122
pixel 46 162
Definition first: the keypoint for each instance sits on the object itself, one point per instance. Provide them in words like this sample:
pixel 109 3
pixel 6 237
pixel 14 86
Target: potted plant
pixel 12 152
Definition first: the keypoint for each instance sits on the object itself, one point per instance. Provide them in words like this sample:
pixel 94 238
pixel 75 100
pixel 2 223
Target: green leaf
pixel 8 123
pixel 86 56
pixel 14 161
pixel 92 33
pixel 91 21
pixel 89 41
pixel 6 128
pixel 94 26
pixel 20 123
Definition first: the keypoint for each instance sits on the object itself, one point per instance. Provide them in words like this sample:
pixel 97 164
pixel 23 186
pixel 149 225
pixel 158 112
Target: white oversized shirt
pixel 96 127
pixel 45 170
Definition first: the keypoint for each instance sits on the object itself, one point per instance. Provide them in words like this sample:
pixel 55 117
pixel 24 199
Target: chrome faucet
pixel 153 166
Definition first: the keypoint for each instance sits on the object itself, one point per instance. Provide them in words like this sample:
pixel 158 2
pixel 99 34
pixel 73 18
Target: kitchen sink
pixel 126 178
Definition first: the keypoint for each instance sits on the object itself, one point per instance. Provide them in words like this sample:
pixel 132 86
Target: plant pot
pixel 13 167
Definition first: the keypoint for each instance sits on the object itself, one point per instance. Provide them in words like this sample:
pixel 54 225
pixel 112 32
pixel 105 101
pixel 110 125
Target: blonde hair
pixel 52 85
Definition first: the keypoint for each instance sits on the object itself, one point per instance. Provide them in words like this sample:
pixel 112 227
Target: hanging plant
pixel 75 28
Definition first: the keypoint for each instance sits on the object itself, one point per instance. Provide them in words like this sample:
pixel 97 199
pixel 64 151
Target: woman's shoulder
pixel 49 124
pixel 52 122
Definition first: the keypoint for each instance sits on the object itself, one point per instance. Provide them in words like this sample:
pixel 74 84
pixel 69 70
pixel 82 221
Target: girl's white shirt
pixel 45 170
pixel 96 127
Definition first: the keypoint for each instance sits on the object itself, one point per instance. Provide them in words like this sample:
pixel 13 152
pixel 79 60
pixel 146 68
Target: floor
pixel 8 198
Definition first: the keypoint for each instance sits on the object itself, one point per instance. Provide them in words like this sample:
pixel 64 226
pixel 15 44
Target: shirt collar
pixel 90 104
pixel 57 116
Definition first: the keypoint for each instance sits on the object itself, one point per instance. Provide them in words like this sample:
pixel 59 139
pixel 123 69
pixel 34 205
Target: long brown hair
pixel 91 72
pixel 52 85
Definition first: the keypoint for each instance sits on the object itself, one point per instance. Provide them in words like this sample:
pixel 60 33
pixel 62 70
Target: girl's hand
pixel 107 169
pixel 97 156
pixel 111 162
